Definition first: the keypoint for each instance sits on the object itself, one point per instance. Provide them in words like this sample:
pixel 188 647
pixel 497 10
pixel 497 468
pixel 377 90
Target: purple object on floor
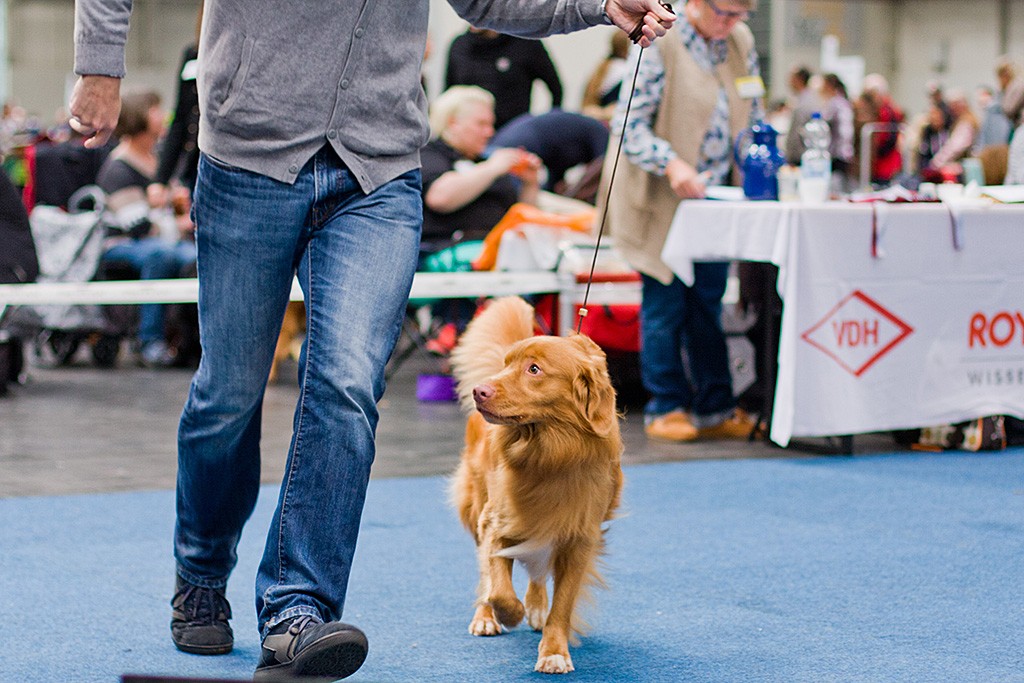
pixel 435 388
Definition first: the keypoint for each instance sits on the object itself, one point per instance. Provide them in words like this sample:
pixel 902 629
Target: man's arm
pixel 101 30
pixel 534 19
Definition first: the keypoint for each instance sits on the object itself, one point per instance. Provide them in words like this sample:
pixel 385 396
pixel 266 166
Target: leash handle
pixel 637 33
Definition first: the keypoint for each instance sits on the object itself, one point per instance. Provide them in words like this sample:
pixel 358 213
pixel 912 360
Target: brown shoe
pixel 739 426
pixel 674 426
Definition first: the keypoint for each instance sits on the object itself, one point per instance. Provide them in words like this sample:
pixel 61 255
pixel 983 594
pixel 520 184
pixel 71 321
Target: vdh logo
pixel 857 332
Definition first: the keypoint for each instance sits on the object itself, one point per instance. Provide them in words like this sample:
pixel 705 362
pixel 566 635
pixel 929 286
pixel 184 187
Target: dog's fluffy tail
pixel 480 353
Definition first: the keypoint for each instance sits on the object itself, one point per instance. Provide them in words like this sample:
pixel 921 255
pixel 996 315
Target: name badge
pixel 750 87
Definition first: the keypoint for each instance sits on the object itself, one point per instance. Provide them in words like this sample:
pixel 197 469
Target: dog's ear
pixel 593 388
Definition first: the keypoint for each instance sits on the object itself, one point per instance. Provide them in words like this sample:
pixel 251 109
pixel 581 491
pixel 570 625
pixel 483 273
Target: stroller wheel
pixel 64 345
pixel 105 350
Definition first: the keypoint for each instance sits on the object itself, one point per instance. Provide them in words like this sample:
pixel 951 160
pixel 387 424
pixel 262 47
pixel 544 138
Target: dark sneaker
pixel 199 622
pixel 305 647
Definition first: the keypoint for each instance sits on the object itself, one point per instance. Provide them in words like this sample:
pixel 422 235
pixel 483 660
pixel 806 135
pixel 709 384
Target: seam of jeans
pixel 294 455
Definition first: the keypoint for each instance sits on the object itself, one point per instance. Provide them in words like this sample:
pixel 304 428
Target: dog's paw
pixel 484 626
pixel 536 616
pixel 554 664
pixel 508 610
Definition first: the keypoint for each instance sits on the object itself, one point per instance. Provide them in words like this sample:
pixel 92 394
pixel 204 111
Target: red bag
pixel 613 326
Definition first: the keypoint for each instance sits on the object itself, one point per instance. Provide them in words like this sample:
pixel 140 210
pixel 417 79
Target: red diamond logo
pixel 857 332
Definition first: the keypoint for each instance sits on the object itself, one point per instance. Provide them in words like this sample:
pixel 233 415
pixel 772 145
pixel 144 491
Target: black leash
pixel 635 36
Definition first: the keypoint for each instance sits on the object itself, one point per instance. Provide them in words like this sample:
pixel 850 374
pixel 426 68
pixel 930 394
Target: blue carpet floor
pixel 883 568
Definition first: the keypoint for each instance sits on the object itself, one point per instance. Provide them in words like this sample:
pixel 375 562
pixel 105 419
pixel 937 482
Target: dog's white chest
pixel 535 556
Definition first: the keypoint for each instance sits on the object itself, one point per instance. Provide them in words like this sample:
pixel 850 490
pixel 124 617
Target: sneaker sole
pixel 331 658
pixel 205 649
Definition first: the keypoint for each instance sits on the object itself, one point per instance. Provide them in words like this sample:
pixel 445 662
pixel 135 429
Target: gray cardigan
pixel 279 79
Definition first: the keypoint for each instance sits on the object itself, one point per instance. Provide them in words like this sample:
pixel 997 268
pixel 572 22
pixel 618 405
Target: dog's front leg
pixel 484 622
pixel 571 564
pixel 502 594
pixel 536 604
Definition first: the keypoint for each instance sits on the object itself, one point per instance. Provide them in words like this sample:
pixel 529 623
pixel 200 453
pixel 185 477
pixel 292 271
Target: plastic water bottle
pixel 816 162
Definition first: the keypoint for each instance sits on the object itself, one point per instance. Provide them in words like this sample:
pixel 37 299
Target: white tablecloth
pixel 895 316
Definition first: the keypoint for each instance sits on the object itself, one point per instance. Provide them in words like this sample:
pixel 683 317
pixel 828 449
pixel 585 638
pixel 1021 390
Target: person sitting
pixel 465 194
pixel 135 239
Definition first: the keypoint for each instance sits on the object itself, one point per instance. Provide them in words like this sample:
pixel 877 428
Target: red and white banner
pixel 895 316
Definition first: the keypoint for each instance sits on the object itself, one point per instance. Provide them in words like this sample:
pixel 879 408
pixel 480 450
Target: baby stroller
pixel 70 246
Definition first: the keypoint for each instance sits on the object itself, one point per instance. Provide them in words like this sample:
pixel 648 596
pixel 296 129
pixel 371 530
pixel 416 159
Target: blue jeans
pixel 675 317
pixel 355 255
pixel 155 259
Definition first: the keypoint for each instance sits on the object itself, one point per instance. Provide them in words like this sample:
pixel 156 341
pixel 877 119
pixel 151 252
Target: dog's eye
pixel 534 369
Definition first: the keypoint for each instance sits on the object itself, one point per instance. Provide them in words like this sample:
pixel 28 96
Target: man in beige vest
pixel 685 114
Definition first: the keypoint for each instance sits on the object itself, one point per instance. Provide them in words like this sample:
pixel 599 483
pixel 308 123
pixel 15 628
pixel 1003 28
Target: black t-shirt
pixel 506 66
pixel 475 219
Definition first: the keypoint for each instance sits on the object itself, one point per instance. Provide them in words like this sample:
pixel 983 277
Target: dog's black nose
pixel 483 392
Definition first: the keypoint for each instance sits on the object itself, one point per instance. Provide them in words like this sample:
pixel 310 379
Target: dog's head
pixel 551 379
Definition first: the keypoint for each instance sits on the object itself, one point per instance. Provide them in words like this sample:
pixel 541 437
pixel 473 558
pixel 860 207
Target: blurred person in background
pixel 156 251
pixel 806 101
pixel 601 94
pixel 504 65
pixel 995 127
pixel 685 114
pixel 837 111
pixel 876 106
pixel 1011 83
pixel 963 130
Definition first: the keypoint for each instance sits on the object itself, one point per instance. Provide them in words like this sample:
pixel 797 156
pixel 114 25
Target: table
pixel 895 316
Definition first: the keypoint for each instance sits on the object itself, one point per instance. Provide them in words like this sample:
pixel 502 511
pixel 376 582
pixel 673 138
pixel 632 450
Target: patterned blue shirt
pixel 651 153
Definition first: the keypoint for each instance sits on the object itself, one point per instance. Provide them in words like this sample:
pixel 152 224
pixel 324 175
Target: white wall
pixel 939 40
pixel 40 37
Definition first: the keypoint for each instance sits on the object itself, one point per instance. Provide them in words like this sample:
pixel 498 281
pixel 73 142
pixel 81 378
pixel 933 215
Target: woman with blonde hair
pixel 464 193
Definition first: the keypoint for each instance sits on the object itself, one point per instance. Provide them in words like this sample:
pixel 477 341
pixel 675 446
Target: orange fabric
pixel 520 213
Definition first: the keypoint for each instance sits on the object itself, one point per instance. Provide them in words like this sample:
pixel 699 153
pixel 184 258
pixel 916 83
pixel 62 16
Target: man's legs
pixel 356 273
pixel 249 234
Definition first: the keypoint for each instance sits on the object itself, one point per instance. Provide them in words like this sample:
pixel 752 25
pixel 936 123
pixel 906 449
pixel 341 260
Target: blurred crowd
pixel 486 120
pixel 876 139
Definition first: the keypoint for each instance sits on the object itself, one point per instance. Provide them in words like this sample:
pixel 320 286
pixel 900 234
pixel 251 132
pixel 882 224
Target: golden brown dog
pixel 292 327
pixel 540 472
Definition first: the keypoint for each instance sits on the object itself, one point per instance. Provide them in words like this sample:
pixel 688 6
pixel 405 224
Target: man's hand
pixel 648 15
pixel 95 106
